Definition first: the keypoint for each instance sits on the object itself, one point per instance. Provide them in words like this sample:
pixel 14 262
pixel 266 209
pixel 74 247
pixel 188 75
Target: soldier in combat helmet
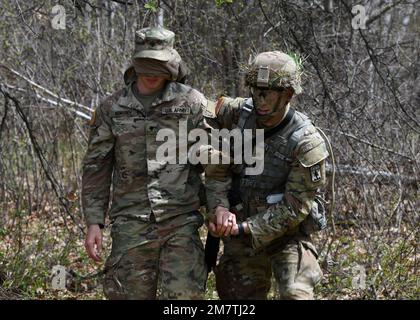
pixel 267 229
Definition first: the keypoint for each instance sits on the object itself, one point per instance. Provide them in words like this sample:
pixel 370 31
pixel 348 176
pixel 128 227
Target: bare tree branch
pixel 72 103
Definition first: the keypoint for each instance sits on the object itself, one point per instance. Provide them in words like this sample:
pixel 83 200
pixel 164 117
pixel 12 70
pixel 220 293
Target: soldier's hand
pixel 235 230
pixel 212 229
pixel 245 229
pixel 93 242
pixel 225 220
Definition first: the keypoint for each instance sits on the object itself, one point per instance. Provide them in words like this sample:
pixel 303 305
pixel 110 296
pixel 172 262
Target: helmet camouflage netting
pixel 275 70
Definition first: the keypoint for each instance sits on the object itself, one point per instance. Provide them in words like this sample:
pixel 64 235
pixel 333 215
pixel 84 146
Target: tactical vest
pixel 278 157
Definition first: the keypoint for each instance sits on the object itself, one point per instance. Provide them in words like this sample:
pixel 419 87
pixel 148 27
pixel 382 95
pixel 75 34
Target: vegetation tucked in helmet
pixel 275 70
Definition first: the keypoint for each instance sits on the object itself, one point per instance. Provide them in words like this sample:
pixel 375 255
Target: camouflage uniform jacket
pixel 122 153
pixel 293 166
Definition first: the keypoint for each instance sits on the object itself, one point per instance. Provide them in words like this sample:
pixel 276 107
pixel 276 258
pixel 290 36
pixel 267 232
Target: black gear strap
pixel 282 125
pixel 211 251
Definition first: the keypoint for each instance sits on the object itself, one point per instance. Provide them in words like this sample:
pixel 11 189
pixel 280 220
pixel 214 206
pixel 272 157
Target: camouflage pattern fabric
pixel 154 54
pixel 243 274
pixel 149 259
pixel 298 177
pixel 123 145
pixel 156 250
pixel 298 174
pixel 154 43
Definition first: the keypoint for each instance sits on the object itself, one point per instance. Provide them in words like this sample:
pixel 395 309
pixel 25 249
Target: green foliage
pixel 211 293
pixel 395 277
pixel 29 268
pixel 222 2
pixel 87 61
pixel 151 5
pixel 297 58
pixel 390 269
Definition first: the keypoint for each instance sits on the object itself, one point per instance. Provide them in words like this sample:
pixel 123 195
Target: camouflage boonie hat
pixel 154 43
pixel 274 70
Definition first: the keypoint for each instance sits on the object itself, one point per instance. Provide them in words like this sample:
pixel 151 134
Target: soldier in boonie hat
pixel 156 249
pixel 154 43
pixel 154 55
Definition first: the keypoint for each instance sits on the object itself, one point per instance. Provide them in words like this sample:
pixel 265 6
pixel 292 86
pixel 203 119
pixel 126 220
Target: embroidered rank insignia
pixel 315 173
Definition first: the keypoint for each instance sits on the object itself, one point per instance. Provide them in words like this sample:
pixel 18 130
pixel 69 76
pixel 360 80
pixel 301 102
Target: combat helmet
pixel 274 70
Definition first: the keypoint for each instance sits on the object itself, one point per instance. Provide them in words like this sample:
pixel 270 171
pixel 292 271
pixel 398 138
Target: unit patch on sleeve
pixel 315 173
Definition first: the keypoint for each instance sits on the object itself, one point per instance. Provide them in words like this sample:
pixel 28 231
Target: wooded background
pixel 361 86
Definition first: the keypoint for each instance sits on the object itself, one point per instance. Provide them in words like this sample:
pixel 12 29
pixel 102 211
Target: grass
pixel 31 244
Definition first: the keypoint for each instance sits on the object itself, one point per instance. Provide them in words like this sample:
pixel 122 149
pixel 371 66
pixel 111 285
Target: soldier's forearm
pixel 95 203
pixel 216 192
pixel 274 222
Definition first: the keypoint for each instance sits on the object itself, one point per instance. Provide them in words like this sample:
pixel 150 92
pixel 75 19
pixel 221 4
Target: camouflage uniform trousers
pixel 244 274
pixel 152 260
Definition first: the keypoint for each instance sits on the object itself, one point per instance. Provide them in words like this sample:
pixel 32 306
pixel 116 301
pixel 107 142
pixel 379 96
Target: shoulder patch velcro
pixel 209 109
pixel 314 155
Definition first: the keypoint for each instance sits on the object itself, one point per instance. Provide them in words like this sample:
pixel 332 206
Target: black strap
pixel 211 251
pixel 246 111
pixel 241 230
pixel 282 125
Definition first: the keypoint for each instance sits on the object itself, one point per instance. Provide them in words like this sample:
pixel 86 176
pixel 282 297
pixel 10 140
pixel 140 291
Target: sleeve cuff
pixel 213 203
pixel 95 220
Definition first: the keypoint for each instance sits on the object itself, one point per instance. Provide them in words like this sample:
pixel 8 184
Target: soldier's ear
pixel 289 93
